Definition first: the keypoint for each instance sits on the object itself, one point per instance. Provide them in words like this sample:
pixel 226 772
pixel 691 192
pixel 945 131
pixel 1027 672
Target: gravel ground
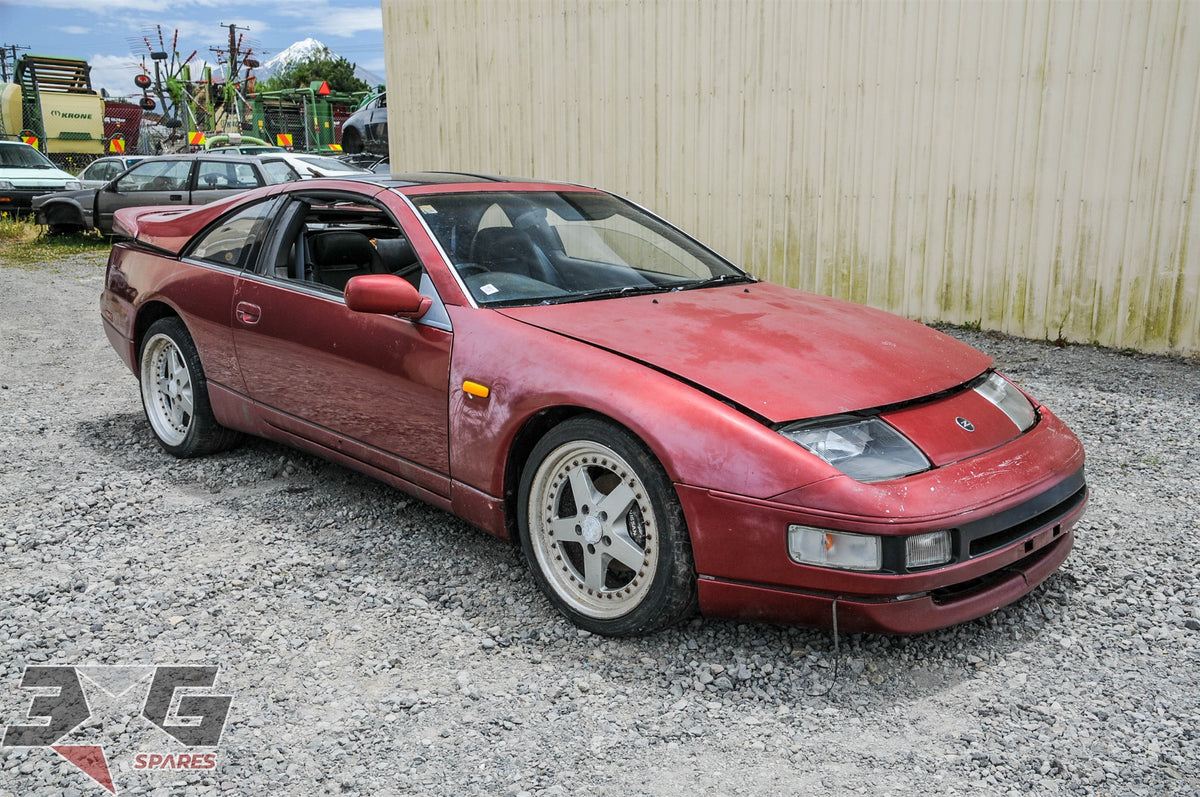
pixel 374 645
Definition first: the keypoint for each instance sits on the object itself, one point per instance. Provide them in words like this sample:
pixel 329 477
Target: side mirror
pixel 385 294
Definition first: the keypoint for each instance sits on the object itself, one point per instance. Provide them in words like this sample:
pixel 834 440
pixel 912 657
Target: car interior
pixel 328 240
pixel 527 248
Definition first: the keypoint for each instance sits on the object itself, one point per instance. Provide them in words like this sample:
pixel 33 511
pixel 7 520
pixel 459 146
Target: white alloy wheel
pixel 167 390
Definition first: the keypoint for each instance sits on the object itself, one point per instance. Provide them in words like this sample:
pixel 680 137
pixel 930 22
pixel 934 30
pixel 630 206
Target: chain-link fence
pixel 299 120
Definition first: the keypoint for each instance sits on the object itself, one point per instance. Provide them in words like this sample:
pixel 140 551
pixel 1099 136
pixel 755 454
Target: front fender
pixel 61 211
pixel 698 439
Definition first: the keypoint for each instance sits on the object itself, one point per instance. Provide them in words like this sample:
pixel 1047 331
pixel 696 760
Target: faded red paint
pixel 699 376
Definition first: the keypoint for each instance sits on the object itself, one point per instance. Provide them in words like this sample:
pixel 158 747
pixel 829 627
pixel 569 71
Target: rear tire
pixel 603 530
pixel 175 393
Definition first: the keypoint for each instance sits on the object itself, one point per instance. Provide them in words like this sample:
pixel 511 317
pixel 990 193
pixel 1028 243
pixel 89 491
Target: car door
pixel 370 387
pixel 154 182
pixel 376 139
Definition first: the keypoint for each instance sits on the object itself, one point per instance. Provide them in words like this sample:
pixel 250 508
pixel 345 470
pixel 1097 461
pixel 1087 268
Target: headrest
pixel 493 243
pixel 342 246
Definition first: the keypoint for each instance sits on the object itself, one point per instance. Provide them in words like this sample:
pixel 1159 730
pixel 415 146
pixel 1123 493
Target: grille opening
pixel 999 539
pixel 966 589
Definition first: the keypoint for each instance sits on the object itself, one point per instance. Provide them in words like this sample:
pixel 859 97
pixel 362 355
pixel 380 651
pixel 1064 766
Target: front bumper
pixel 1010 514
pixel 20 200
pixel 917 614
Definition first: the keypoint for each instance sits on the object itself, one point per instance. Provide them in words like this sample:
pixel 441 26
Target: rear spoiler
pixel 169 228
pixel 161 228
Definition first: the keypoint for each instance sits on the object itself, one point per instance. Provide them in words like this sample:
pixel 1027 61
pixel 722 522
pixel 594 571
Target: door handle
pixel 176 196
pixel 247 313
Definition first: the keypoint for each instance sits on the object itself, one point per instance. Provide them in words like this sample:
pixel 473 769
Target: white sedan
pixel 314 165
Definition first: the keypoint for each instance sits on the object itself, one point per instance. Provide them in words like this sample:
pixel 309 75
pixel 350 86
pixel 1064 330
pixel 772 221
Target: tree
pixel 336 71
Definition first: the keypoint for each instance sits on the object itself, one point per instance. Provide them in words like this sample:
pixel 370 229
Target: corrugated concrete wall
pixel 1026 166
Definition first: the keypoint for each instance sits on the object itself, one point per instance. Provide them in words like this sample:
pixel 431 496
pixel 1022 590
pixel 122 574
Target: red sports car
pixel 661 431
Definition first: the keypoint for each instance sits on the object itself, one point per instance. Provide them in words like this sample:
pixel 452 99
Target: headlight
pixel 866 449
pixel 6 185
pixel 1012 402
pixel 72 185
pixel 839 549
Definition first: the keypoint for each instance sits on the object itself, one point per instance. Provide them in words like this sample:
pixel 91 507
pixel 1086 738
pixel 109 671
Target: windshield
pixel 22 156
pixel 329 164
pixel 521 248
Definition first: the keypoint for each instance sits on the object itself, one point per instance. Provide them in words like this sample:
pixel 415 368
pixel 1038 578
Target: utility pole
pixel 5 52
pixel 231 73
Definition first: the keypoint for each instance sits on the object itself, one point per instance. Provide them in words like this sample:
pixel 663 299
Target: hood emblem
pixel 965 424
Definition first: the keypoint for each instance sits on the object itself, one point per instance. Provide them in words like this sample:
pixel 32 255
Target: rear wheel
pixel 603 531
pixel 175 393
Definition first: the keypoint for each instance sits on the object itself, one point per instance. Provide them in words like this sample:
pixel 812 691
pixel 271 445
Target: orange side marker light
pixel 476 389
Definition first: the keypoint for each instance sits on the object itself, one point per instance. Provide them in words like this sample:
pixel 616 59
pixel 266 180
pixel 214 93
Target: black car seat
pixel 511 250
pixel 338 255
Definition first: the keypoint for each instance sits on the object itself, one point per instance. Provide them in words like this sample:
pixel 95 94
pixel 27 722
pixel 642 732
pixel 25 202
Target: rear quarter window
pixel 235 240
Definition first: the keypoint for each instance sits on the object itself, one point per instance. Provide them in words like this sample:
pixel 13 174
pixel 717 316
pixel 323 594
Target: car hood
pixel 780 353
pixel 37 178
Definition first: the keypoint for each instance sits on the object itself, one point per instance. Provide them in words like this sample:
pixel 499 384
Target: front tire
pixel 175 393
pixel 603 530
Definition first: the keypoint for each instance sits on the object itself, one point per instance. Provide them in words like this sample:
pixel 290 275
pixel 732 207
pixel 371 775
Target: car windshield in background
pixel 522 248
pixel 21 156
pixel 330 164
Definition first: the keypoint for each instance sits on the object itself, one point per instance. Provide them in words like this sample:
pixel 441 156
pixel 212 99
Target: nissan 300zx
pixel 661 432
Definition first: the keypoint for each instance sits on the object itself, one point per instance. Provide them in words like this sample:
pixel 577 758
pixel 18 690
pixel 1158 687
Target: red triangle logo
pixel 90 759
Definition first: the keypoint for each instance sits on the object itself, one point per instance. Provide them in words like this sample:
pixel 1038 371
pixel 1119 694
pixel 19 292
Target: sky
pixel 108 33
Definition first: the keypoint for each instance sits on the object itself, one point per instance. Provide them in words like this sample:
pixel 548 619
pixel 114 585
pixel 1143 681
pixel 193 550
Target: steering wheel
pixel 468 269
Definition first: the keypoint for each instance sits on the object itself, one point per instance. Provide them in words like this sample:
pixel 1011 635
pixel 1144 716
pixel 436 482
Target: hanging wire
pixel 837 658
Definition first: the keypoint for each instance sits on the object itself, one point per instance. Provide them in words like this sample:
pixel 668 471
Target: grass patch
pixel 24 244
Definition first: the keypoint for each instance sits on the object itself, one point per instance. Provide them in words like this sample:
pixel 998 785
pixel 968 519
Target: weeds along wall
pixel 1029 167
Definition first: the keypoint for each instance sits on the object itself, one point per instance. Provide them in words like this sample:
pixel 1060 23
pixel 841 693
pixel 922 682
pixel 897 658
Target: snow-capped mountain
pixel 308 48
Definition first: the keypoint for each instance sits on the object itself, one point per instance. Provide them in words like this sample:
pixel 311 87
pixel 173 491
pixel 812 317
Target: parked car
pixel 102 170
pixel 26 173
pixel 366 129
pixel 659 430
pixel 307 165
pixel 160 180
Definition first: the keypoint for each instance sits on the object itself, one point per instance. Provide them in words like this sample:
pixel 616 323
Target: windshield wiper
pixel 607 293
pixel 720 279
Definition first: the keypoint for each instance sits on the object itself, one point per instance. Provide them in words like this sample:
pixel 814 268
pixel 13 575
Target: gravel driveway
pixel 374 645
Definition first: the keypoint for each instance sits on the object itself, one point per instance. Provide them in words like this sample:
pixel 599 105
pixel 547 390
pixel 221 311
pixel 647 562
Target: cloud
pixel 350 22
pixel 115 73
pixel 89 6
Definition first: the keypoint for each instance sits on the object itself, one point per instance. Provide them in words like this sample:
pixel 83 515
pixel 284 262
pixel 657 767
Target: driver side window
pixel 156 176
